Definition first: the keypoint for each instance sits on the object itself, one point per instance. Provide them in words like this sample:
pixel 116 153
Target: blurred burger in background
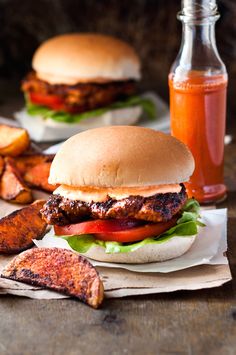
pixel 82 81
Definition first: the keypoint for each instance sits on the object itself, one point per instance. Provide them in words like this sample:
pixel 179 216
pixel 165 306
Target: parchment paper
pixel 121 282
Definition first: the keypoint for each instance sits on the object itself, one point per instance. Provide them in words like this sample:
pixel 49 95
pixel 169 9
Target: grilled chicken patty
pixel 81 97
pixel 157 208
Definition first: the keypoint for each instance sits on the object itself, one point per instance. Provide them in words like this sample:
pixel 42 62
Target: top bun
pixel 121 156
pixel 74 58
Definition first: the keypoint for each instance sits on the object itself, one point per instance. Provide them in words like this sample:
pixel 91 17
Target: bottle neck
pixel 200 35
pixel 198 42
pixel 198 49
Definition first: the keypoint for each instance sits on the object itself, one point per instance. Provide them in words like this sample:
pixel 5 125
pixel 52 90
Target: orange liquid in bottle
pixel 198 110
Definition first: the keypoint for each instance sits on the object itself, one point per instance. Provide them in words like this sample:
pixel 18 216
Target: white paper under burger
pixel 42 130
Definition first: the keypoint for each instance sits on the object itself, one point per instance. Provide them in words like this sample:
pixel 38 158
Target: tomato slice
pixel 137 234
pixel 97 226
pixel 122 231
pixel 52 101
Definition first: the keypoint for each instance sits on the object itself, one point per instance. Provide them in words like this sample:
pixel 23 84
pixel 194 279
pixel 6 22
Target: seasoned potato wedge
pixel 12 186
pixel 18 229
pixel 13 140
pixel 37 176
pixel 35 170
pixel 1 165
pixel 26 162
pixel 60 270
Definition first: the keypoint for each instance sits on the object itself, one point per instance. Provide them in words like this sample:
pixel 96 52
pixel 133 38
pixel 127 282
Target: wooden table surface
pixel 186 322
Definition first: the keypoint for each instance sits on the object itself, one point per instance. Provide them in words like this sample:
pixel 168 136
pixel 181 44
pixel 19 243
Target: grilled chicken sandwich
pixel 82 81
pixel 121 196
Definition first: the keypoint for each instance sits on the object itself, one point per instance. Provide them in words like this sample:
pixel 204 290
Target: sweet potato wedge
pixel 60 270
pixel 1 165
pixel 26 162
pixel 18 229
pixel 13 140
pixel 35 170
pixel 12 186
pixel 37 177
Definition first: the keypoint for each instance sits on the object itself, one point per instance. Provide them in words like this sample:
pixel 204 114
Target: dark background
pixel 149 25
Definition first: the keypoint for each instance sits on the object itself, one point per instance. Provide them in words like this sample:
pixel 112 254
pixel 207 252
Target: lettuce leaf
pixel 60 116
pixel 187 225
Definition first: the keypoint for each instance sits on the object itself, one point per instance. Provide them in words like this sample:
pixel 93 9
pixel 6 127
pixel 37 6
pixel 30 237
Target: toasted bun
pixel 121 156
pixel 74 58
pixel 149 253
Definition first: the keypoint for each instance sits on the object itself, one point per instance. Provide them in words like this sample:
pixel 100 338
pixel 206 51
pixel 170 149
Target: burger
pixel 82 81
pixel 121 195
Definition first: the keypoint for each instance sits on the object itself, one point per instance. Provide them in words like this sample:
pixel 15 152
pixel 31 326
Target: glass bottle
pixel 197 83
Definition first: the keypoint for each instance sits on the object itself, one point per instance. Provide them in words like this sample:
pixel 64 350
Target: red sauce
pixel 198 110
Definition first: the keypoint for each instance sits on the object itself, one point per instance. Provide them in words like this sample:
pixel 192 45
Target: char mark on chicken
pixel 157 208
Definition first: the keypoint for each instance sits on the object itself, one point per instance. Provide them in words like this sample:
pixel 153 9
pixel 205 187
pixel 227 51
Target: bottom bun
pixel 149 253
pixel 43 130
